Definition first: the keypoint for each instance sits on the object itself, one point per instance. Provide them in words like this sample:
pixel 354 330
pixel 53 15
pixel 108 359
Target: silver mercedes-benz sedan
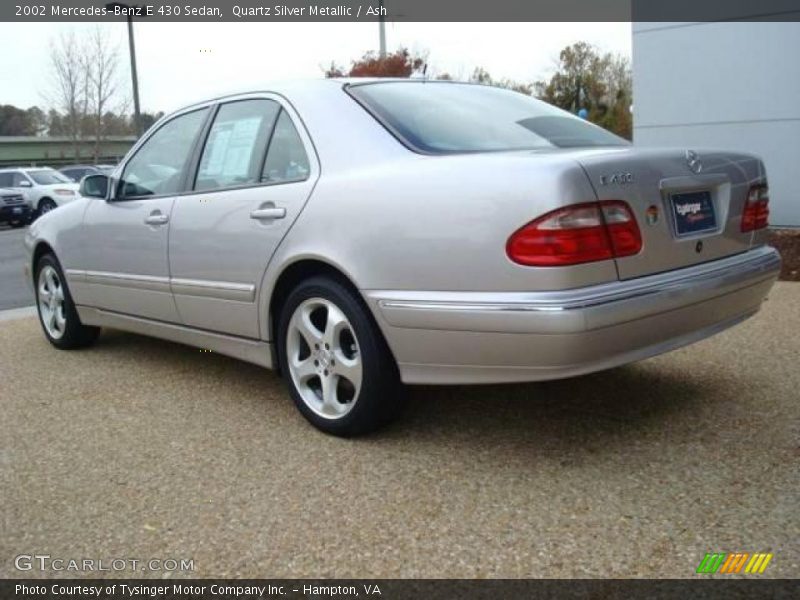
pixel 355 234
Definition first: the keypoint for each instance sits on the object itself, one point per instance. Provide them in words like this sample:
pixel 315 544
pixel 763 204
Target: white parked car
pixel 45 188
pixel 14 209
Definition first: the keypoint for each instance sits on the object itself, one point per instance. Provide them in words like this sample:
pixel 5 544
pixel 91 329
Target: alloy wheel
pixel 46 207
pixel 50 293
pixel 324 359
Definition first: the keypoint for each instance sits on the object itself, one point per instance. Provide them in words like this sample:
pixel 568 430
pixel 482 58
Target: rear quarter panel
pixel 437 223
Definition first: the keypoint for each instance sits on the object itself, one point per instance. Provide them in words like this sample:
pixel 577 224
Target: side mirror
pixel 94 186
pixel 25 183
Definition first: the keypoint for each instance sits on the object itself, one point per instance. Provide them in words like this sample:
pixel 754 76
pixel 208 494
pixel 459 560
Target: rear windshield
pixel 47 177
pixel 440 118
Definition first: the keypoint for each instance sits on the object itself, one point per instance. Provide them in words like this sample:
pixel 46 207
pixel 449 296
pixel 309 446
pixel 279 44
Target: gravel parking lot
pixel 143 449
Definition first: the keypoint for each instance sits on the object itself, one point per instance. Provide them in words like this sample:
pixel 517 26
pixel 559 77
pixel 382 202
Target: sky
pixel 181 63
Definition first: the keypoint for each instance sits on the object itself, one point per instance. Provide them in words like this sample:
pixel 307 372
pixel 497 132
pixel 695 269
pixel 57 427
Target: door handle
pixel 156 218
pixel 263 214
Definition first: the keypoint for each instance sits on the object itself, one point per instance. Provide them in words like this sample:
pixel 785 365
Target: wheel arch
pixel 42 199
pixel 296 272
pixel 291 275
pixel 41 248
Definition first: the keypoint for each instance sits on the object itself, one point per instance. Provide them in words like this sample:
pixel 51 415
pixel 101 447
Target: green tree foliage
pixel 34 121
pixel 147 119
pixel 55 124
pixel 18 121
pixel 482 76
pixel 600 83
pixel 38 121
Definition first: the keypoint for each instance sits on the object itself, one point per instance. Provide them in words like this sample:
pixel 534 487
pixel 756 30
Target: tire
pixel 45 206
pixel 339 370
pixel 59 320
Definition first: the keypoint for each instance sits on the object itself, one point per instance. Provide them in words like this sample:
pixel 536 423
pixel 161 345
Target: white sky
pixel 236 56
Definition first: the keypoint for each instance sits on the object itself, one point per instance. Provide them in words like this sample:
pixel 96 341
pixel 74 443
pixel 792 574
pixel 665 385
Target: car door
pixel 253 176
pixel 125 238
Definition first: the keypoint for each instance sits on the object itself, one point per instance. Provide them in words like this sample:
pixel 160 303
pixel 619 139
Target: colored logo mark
pixel 651 214
pixel 734 562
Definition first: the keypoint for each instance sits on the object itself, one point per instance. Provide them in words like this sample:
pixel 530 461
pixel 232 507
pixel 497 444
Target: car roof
pixel 7 169
pixel 321 84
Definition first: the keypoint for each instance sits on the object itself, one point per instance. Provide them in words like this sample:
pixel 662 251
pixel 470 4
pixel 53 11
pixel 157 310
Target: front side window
pixel 442 118
pixel 236 143
pixel 286 159
pixel 158 166
pixel 6 180
pixel 47 177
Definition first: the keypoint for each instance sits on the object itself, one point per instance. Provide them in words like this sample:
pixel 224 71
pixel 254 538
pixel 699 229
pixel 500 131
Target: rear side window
pixel 441 118
pixel 18 180
pixel 286 159
pixel 234 151
pixel 158 166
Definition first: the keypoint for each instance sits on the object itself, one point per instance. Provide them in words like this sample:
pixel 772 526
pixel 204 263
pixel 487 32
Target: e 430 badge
pixel 621 178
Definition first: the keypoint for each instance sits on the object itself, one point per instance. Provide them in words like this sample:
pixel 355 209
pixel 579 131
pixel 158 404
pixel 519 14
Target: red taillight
pixel 622 228
pixel 756 208
pixel 577 234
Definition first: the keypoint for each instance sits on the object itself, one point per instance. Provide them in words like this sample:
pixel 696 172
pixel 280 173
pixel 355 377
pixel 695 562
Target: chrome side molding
pixel 222 290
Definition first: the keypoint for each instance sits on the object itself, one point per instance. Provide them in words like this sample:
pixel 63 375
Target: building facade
pixel 727 85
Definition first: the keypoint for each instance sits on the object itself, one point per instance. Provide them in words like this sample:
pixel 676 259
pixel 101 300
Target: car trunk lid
pixel 688 204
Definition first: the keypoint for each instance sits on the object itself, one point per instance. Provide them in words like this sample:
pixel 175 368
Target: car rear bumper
pixel 480 337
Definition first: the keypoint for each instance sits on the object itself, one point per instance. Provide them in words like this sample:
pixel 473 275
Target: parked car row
pixel 78 172
pixel 28 192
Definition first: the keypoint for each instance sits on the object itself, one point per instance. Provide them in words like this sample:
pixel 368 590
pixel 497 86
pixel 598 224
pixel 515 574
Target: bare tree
pixel 85 87
pixel 68 92
pixel 101 59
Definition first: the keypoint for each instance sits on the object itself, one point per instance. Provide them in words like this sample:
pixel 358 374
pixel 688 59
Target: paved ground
pixel 146 449
pixel 13 289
